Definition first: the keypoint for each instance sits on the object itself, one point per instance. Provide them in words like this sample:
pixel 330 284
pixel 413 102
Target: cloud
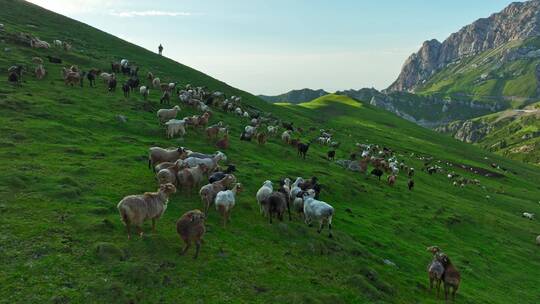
pixel 149 13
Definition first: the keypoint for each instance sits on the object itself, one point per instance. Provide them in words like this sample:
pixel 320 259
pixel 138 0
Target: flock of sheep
pixel 182 169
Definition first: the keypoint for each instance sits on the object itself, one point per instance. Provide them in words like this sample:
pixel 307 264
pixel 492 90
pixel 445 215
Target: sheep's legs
pixel 330 235
pixel 128 228
pixel 438 288
pixel 197 248
pixel 188 244
pixel 139 229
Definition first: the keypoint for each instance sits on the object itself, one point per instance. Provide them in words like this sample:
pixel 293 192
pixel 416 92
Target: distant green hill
pixel 67 160
pixel 295 96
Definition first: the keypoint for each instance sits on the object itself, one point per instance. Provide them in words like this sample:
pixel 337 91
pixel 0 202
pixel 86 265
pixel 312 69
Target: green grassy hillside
pixel 66 162
pixel 512 133
pixel 505 73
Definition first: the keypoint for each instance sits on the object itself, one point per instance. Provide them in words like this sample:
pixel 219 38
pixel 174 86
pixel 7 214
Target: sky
pixel 271 47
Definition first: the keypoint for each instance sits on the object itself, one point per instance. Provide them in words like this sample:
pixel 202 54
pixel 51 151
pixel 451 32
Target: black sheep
pixel 126 89
pixel 54 59
pixel 220 175
pixel 377 172
pixel 111 84
pixel 303 149
pixel 91 76
pixel 331 154
pixel 410 184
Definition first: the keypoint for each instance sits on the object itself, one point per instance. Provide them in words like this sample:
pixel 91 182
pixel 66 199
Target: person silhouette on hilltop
pixel 160 48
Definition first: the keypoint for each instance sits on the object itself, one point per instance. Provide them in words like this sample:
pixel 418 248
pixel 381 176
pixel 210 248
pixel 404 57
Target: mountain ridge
pixel 295 96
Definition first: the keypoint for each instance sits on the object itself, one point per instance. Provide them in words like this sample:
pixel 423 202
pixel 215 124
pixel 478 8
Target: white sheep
pixel 172 85
pixel 211 163
pixel 528 215
pixel 106 76
pixel 203 107
pixel 250 130
pixel 238 111
pixel 286 136
pixel 272 129
pixel 246 114
pixel 317 210
pixel 156 83
pixel 225 201
pixel 176 126
pixel 124 63
pixel 295 188
pixel 167 114
pixel 39 44
pixel 57 43
pixel 263 193
pixel 144 92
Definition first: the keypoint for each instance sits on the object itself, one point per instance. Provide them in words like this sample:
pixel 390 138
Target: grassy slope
pixel 512 79
pixel 66 162
pixel 511 129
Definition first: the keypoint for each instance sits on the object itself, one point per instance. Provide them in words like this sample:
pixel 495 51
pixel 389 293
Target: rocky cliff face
pixel 519 20
pixel 295 96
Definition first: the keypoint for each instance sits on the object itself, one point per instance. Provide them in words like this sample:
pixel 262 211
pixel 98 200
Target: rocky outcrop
pixel 519 20
pixel 295 96
pixel 469 131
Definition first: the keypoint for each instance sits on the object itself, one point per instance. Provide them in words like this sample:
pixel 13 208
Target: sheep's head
pixel 196 216
pixel 177 108
pixel 239 188
pixel 231 169
pixel 309 194
pixel 168 188
pixel 433 249
pixel 267 183
pixel 229 179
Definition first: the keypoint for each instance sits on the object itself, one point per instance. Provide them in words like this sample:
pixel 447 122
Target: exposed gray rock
pixel 519 20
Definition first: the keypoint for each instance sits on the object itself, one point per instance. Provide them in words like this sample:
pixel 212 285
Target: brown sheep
pixel 190 228
pixel 275 204
pixel 135 209
pixel 451 276
pixel 157 155
pixel 208 192
pixel 203 119
pixel 391 180
pixel 169 175
pixel 261 138
pixel 188 178
pixel 223 143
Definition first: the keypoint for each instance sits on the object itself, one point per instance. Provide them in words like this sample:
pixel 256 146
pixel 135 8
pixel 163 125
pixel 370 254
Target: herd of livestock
pixel 186 170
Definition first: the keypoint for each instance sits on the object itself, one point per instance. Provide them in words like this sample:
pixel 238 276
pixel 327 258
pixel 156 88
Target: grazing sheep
pixel 175 127
pixel 217 176
pixel 317 210
pixel 124 62
pixel 435 269
pixel 166 165
pixel 303 149
pixel 144 92
pixel 295 188
pixel 263 193
pixel 164 115
pixel 66 46
pixel 261 138
pixel 225 201
pixel 189 178
pixel 272 130
pixel 157 155
pixel 391 180
pixel 135 209
pixel 275 204
pixel 208 192
pixel 57 43
pixel 35 43
pixel 190 228
pixel 451 276
pixel 528 215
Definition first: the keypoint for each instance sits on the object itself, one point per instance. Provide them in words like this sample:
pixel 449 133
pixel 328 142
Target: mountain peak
pixel 518 21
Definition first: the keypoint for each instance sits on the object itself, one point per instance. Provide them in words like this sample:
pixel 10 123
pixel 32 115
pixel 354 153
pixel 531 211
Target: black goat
pixel 220 175
pixel 331 154
pixel 377 172
pixel 303 149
